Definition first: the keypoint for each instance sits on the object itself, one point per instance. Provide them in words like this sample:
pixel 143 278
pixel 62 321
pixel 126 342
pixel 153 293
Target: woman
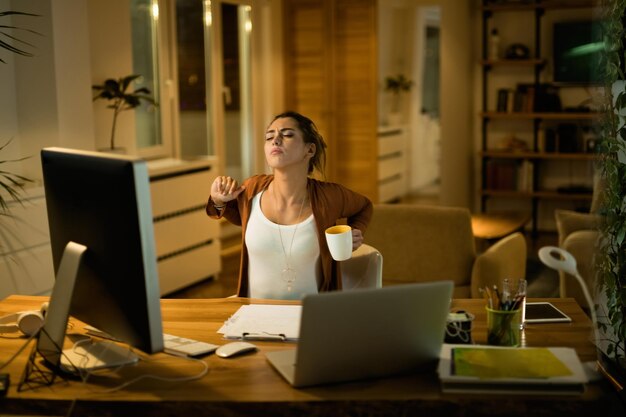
pixel 283 216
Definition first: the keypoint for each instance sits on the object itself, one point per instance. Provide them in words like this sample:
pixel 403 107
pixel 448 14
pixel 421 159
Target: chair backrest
pixel 363 270
pixel 504 259
pixel 424 243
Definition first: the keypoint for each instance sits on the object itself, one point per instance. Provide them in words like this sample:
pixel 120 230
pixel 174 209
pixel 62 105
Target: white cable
pixel 203 372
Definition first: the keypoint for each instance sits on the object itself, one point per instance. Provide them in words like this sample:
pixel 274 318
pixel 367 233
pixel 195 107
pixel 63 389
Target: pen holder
pixel 503 327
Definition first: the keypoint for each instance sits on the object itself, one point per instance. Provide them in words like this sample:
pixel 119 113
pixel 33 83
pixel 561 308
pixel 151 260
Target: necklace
pixel 288 273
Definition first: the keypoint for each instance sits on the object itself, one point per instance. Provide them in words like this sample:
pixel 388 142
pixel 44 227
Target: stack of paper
pixel 261 321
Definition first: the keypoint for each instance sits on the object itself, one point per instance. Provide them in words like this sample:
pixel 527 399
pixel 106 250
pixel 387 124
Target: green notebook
pixel 507 363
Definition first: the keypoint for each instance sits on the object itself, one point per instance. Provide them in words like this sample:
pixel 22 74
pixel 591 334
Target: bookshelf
pixel 519 172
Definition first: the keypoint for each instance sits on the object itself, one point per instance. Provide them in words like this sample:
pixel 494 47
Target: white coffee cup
pixel 339 239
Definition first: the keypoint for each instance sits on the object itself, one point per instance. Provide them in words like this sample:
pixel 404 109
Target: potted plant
pixel 115 91
pixel 610 258
pixel 396 86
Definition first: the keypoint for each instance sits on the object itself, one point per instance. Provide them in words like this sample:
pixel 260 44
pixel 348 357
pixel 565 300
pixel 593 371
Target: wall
pixel 457 72
pixel 52 95
pixel 457 118
pixel 109 38
pixel 46 101
pixel 8 107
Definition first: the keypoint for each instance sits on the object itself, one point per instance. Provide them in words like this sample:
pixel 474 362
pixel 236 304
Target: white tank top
pixel 266 259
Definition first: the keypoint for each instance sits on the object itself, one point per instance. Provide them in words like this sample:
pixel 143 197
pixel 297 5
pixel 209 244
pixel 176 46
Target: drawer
pixel 392 189
pixel 389 167
pixel 189 267
pixel 176 193
pixel 391 144
pixel 174 233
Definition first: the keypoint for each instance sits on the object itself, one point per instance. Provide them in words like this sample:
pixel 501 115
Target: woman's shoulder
pixel 326 185
pixel 257 183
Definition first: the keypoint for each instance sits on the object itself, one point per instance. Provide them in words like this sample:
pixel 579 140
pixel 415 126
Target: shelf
pixel 540 116
pixel 546 194
pixel 555 195
pixel 514 174
pixel 544 5
pixel 539 155
pixel 513 62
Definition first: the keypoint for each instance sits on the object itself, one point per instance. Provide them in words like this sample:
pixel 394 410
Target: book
pixel 502 100
pixel 505 370
pixel 501 175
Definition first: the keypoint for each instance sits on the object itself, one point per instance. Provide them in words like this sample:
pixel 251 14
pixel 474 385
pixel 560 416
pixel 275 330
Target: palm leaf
pixel 9 41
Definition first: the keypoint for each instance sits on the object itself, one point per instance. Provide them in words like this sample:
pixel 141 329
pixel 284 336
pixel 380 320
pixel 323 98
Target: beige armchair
pixel 430 243
pixel 579 234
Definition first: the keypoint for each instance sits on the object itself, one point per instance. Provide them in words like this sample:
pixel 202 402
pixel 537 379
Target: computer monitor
pixel 100 219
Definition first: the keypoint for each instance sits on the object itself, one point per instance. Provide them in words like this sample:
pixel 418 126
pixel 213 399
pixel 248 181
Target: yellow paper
pixel 507 363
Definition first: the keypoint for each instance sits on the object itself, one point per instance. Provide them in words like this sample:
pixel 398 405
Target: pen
pixel 518 301
pixel 489 297
pixel 497 300
pixel 506 292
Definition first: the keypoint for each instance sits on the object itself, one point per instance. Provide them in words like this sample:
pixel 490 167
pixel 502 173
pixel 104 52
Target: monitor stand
pixel 84 355
pixel 90 356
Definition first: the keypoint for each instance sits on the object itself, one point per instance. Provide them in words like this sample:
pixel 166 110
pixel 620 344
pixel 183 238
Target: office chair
pixel 363 270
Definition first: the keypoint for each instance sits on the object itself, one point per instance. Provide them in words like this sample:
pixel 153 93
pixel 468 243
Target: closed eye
pixel 285 133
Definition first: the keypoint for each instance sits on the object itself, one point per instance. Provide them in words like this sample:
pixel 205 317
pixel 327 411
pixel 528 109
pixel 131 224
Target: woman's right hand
pixel 225 189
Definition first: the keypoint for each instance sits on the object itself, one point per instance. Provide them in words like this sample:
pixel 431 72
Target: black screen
pixel 577 52
pixel 102 201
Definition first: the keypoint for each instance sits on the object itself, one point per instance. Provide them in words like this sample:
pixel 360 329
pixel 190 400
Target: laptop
pixel 368 333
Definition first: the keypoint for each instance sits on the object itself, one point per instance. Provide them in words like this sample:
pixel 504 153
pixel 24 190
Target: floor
pixel 542 282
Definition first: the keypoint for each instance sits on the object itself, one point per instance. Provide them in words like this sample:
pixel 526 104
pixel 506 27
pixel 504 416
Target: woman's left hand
pixel 357 239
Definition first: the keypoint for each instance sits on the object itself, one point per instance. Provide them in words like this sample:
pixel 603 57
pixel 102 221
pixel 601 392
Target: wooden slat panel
pixel 355 64
pixel 306 60
pixel 331 67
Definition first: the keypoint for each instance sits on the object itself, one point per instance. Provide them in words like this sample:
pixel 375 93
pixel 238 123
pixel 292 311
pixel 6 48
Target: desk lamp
pixel 561 260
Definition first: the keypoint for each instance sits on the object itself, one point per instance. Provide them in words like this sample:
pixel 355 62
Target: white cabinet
pixel 187 241
pixel 392 164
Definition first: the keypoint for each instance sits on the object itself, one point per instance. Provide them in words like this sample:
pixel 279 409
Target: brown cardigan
pixel 329 201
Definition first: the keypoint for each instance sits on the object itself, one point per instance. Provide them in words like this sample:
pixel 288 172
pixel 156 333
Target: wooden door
pixel 331 73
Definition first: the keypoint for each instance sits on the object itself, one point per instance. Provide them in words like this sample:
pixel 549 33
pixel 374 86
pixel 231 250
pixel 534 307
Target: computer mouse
pixel 234 348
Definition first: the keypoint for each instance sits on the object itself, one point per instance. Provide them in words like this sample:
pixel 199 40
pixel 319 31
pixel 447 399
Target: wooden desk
pixel 248 385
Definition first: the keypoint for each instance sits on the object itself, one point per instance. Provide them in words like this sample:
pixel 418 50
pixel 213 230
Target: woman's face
pixel 285 146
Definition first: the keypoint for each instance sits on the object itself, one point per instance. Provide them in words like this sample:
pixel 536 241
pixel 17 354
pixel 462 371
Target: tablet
pixel 544 312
